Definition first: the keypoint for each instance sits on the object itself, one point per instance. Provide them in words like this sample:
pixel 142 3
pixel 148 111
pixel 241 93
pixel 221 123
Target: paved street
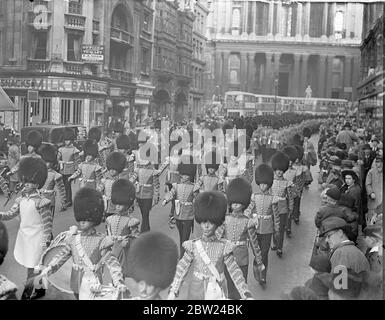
pixel 283 274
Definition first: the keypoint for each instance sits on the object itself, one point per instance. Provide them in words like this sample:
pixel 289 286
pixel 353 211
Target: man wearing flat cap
pixel 346 260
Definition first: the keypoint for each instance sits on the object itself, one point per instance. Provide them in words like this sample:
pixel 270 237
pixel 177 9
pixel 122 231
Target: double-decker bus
pixel 238 103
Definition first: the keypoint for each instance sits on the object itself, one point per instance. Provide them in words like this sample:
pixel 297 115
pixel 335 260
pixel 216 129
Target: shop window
pixel 46 110
pixel 65 111
pixel 77 111
pixel 73 47
pixel 39 45
pixel 71 111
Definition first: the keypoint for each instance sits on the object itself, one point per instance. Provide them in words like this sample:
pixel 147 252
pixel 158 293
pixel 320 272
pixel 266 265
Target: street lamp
pixel 275 94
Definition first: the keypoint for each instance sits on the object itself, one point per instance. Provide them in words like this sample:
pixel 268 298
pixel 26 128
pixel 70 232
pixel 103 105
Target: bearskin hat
pixel 153 258
pixel 211 162
pixel 34 139
pixel 210 206
pixel 291 152
pixel 264 174
pixel 69 134
pixel 133 140
pixel 239 191
pixel 33 170
pixel 95 134
pixel 300 152
pixel 123 142
pixel 57 136
pixel 49 153
pixel 187 167
pixel 88 205
pixel 123 192
pixel 116 161
pixel 280 161
pixel 306 132
pixel 118 127
pixel 90 147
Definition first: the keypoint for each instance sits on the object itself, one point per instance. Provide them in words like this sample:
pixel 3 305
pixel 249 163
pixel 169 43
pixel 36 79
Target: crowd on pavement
pixel 209 181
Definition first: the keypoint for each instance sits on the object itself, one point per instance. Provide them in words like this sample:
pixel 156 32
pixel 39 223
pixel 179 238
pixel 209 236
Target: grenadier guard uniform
pixel 116 162
pixel 104 146
pixel 34 139
pixel 291 176
pixel 207 251
pixel 35 229
pixel 152 260
pixel 54 180
pixel 263 209
pixel 183 194
pixel 121 225
pixel 209 181
pixel 88 248
pixel 90 172
pixel 239 229
pixel 146 181
pixel 248 160
pixel 281 188
pixel 299 181
pixel 124 145
pixel 68 157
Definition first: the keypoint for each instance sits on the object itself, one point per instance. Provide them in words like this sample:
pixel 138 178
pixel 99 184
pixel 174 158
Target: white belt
pixel 48 191
pixel 202 276
pixel 69 162
pixel 87 180
pixel 173 171
pixel 281 198
pixel 260 216
pixel 239 243
pixel 186 203
pixel 145 185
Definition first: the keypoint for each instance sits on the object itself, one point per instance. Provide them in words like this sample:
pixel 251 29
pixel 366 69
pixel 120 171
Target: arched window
pixel 234 68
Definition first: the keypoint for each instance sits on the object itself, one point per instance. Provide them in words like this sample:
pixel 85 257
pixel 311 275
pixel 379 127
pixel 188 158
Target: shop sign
pixel 92 53
pixel 55 84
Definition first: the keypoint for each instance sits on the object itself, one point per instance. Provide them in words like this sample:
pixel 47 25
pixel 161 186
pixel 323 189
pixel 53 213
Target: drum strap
pixel 93 267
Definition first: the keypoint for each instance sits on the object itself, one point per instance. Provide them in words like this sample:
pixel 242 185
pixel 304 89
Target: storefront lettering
pixel 54 84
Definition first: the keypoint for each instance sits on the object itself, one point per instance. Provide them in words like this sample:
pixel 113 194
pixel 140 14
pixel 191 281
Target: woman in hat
pixel 183 194
pixel 35 230
pixel 121 225
pixel 87 247
pixel 68 157
pixel 263 209
pixel 352 188
pixel 116 162
pixel 208 256
pixel 54 181
pixel 89 171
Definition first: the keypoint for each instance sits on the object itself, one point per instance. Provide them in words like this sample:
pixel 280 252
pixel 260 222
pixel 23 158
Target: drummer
pixel 34 234
pixel 89 249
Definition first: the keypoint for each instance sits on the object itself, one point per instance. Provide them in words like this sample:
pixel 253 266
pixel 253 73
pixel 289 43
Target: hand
pixel 164 203
pixel 261 267
pixel 122 288
pixel 171 296
pixel 373 196
pixel 70 179
pixel 38 269
pixel 124 243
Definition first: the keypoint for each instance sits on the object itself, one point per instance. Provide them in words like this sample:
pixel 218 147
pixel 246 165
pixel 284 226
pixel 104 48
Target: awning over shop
pixel 6 103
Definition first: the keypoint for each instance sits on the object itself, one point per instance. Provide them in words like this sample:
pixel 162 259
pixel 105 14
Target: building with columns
pixel 47 46
pixel 278 46
pixel 371 84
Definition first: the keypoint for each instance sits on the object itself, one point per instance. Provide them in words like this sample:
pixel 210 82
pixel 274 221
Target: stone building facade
pixel 46 46
pixel 371 85
pixel 284 46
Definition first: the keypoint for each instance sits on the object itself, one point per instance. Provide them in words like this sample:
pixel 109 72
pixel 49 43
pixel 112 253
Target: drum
pixel 61 278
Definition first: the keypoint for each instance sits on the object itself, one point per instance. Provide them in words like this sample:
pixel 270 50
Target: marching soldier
pixel 281 188
pixel 68 157
pixel 124 146
pixel 116 162
pixel 263 209
pixel 300 182
pixel 89 171
pixel 210 181
pixel 105 145
pixel 183 194
pixel 54 179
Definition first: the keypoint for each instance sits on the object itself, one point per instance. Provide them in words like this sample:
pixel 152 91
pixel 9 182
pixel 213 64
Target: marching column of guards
pixel 217 185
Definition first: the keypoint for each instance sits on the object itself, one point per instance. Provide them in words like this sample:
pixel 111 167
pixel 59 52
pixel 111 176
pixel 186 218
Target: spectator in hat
pixel 344 257
pixel 7 288
pixel 352 188
pixel 320 282
pixel 375 144
pixel 330 208
pixel 334 177
pixel 366 160
pixel 347 136
pixel 374 185
pixel 347 205
pixel 300 293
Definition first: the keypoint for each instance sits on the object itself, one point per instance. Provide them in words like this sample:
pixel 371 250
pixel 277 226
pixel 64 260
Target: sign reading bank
pixel 55 84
